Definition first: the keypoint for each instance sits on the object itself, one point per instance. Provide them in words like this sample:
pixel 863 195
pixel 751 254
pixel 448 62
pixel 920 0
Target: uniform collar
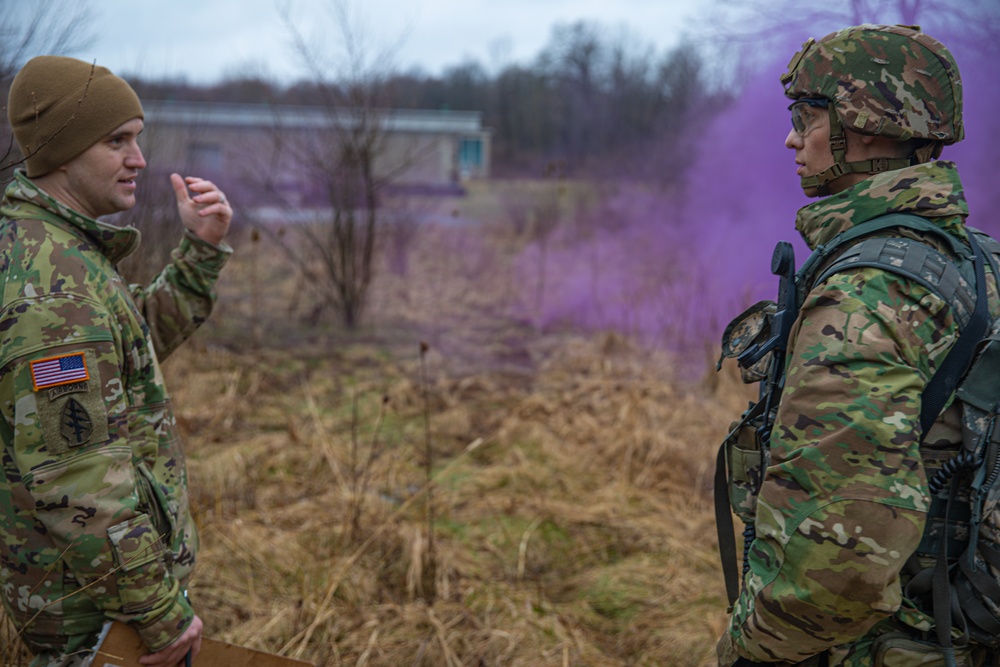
pixel 24 199
pixel 932 190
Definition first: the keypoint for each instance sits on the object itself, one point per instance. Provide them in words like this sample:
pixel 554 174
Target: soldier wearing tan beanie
pixel 95 522
pixel 59 107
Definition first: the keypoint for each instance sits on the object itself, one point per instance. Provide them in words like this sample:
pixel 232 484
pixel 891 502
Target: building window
pixel 470 155
pixel 205 157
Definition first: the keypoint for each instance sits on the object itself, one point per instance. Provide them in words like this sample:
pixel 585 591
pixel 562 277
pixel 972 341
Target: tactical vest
pixel 955 573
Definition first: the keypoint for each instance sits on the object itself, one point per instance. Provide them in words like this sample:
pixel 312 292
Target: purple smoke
pixel 673 268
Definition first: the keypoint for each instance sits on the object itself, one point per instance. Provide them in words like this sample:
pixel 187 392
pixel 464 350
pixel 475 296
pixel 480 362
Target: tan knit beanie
pixel 59 107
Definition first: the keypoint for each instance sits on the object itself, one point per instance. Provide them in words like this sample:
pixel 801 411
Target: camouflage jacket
pixel 94 519
pixel 844 499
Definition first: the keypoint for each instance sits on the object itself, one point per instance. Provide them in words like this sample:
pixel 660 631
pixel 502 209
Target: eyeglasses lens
pixel 798 121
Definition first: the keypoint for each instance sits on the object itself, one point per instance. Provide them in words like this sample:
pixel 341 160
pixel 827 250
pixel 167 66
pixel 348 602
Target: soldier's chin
pixel 811 191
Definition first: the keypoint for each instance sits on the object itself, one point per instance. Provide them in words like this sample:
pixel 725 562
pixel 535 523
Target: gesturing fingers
pixel 209 199
pixel 203 207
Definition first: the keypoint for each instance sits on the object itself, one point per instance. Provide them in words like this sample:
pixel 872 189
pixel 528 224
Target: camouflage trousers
pixel 893 656
pixel 75 660
pixel 78 650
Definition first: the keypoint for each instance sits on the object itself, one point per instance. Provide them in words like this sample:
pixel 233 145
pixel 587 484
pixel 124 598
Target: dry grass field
pixel 449 485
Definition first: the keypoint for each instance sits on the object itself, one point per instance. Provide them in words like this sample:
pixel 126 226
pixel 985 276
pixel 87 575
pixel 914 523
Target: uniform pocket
pixel 139 559
pixel 161 512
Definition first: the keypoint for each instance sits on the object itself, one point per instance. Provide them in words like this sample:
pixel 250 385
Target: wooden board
pixel 122 647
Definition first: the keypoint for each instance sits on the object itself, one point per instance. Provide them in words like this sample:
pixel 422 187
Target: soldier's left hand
pixel 203 207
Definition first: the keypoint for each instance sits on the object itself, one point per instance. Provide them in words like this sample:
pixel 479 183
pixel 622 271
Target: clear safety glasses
pixel 803 116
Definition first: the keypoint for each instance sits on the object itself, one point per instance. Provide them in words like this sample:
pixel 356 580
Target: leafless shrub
pixel 29 28
pixel 343 159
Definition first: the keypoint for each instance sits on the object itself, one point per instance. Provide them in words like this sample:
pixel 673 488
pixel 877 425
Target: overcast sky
pixel 207 39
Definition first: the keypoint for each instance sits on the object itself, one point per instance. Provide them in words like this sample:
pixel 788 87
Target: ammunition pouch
pixel 745 462
pixel 897 649
pixel 745 447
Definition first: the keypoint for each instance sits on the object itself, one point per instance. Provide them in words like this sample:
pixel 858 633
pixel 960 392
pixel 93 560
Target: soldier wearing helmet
pixel 843 501
pixel 893 86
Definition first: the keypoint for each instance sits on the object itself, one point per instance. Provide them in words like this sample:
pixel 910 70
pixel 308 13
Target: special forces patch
pixel 76 425
pixel 71 409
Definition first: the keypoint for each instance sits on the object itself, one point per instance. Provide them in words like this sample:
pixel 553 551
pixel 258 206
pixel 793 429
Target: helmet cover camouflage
pixel 893 81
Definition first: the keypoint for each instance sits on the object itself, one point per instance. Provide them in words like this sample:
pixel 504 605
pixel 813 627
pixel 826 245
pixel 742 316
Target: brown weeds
pixel 570 521
pixel 572 518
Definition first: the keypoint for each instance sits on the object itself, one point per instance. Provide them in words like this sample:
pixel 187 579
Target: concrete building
pixel 274 154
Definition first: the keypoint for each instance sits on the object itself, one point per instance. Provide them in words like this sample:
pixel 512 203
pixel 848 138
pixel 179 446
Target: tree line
pixel 592 103
pixel 595 101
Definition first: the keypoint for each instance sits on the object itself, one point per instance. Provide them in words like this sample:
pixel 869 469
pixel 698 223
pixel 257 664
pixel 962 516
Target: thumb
pixel 180 189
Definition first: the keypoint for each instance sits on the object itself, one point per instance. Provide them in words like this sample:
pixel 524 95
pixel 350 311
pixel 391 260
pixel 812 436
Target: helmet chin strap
pixel 838 146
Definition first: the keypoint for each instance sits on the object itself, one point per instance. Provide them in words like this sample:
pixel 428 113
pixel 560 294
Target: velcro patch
pixel 76 425
pixel 55 371
pixel 69 415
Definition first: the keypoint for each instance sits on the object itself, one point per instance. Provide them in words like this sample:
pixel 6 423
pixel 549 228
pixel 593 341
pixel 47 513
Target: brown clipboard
pixel 121 646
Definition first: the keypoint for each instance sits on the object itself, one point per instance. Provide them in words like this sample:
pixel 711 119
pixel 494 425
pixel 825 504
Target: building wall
pixel 274 153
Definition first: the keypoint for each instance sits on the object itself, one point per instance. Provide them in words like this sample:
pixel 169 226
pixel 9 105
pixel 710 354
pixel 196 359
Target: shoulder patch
pixel 76 425
pixel 55 371
pixel 74 413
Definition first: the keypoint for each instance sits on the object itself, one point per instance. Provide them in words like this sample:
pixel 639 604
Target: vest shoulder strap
pixel 959 281
pixel 915 261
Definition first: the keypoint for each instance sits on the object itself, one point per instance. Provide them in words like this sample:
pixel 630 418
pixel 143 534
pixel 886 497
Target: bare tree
pixel 613 97
pixel 29 28
pixel 343 159
pixel 577 61
pixel 746 31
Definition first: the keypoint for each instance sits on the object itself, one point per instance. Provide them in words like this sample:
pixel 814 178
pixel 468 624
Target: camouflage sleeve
pixel 70 446
pixel 844 499
pixel 181 297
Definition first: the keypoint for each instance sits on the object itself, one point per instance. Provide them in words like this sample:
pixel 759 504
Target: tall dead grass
pixel 570 477
pixel 573 519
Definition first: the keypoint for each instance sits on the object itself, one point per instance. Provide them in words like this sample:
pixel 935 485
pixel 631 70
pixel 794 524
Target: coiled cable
pixel 961 461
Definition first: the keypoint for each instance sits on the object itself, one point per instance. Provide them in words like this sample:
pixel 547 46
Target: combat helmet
pixel 891 81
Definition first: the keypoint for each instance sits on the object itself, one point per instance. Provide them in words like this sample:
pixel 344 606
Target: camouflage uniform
pixel 844 499
pixel 94 518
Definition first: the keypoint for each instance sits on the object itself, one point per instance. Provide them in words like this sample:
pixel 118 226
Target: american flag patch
pixel 54 371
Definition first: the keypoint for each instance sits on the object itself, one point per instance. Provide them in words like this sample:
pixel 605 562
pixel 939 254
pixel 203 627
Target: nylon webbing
pixel 724 527
pixel 913 260
pixel 953 606
pixel 942 384
pixel 975 611
pixel 946 378
pixel 805 277
pixel 922 263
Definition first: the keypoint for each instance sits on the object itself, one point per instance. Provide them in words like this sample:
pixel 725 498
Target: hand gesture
pixel 203 207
